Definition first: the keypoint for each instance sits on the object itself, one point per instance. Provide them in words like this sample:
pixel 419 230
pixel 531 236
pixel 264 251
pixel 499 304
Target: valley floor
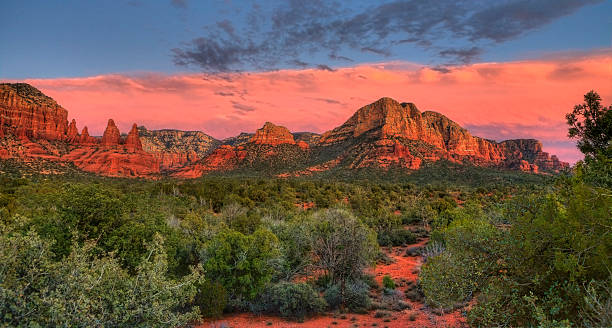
pixel 403 269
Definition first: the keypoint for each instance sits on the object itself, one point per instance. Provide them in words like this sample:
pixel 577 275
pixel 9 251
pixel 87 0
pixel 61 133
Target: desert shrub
pixel 243 264
pixel 333 297
pixel 211 299
pixel 382 314
pixel 452 277
pixel 356 296
pixel 389 229
pixel 342 246
pixel 295 247
pixel 396 237
pixel 370 280
pixel 413 292
pixel 292 300
pixel 392 300
pixel 597 308
pixel 84 290
pixel 413 251
pixel 388 282
pixel 538 266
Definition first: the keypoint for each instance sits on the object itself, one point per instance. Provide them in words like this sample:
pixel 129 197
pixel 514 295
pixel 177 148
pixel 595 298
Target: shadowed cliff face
pixel 383 134
pixel 174 148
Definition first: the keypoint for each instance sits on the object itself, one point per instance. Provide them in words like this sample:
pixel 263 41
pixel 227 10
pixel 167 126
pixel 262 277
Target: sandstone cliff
pixel 393 133
pixel 27 112
pixel 383 134
pixel 273 135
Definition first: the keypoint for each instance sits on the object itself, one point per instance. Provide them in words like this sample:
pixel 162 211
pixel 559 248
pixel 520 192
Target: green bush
pixel 356 296
pixel 292 300
pixel 211 298
pixel 388 282
pixel 333 297
pixel 84 290
pixel 243 264
pixel 396 237
pixel 537 266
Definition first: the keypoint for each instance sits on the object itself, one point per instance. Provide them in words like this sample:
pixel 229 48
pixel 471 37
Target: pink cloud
pixel 522 99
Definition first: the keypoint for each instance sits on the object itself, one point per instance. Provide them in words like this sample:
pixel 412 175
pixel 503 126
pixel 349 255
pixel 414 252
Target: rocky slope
pixel 272 147
pixel 174 148
pixel 383 134
pixel 391 133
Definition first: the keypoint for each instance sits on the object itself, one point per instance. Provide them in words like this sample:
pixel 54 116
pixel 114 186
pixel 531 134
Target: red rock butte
pixel 383 134
pixel 273 135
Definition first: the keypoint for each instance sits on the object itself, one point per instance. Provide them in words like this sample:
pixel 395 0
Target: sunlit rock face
pixel 273 135
pixel 383 134
pixel 399 133
pixel 27 112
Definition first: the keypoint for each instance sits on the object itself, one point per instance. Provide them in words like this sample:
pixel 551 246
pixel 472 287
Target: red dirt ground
pixel 403 268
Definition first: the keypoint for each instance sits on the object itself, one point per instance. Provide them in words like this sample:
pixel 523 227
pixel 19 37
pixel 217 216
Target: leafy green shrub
pixel 211 299
pixel 292 300
pixel 597 310
pixel 84 290
pixel 356 296
pixel 396 237
pixel 388 282
pixel 450 278
pixel 243 264
pixel 333 297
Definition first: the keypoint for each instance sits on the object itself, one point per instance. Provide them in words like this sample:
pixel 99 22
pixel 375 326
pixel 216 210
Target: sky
pixel 503 69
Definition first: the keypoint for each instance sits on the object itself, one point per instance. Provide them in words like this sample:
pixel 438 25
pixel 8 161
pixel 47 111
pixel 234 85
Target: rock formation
pixel 27 112
pixel 111 136
pixel 85 139
pixel 383 134
pixel 174 148
pixel 72 134
pixel 132 141
pixel 273 135
pixel 239 140
pixel 433 136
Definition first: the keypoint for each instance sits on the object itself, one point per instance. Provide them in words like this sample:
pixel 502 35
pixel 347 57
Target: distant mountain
pixel 176 148
pixel 382 135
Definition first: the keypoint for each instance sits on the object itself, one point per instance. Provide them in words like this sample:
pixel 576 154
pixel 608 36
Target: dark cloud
pixel 566 72
pixel 224 94
pixel 381 52
pixel 463 56
pixel 327 100
pixel 441 69
pixel 298 63
pixel 298 28
pixel 242 107
pixel 336 57
pixel 325 68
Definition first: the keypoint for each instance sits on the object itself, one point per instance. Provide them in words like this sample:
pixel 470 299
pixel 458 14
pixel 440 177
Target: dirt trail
pixel 402 269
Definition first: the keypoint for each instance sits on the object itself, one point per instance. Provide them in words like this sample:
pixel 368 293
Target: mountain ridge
pixel 382 134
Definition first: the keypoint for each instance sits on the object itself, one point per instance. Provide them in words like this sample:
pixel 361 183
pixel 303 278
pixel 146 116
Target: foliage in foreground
pixel 82 290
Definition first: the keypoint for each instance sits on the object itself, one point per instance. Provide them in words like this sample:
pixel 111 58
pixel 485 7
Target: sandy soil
pixel 403 269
